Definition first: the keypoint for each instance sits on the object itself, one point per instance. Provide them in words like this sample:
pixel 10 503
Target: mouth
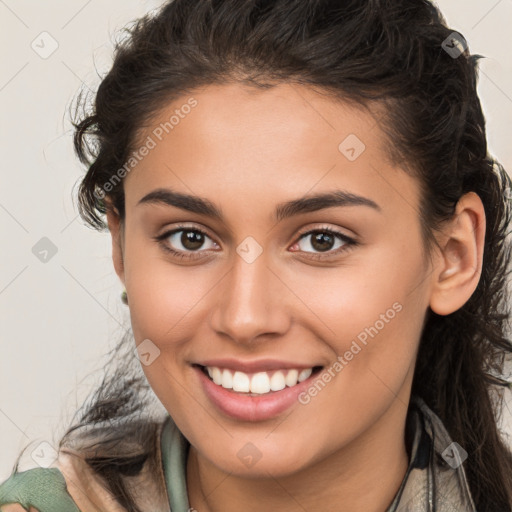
pixel 257 383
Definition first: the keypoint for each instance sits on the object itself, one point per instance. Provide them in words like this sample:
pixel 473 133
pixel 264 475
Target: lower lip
pixel 252 408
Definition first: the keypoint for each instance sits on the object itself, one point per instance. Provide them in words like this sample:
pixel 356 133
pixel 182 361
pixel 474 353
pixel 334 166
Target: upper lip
pixel 260 365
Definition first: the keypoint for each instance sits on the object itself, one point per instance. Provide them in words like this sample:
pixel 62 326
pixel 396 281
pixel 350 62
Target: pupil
pixel 192 239
pixel 322 241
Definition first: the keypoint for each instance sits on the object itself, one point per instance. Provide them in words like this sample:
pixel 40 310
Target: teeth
pixel 291 378
pixel 257 383
pixel 240 381
pixel 216 375
pixel 260 383
pixel 277 381
pixel 227 379
pixel 304 374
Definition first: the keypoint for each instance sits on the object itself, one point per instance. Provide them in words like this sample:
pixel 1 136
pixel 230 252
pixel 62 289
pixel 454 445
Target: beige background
pixel 57 317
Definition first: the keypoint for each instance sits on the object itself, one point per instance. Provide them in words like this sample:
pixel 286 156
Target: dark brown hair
pixel 390 53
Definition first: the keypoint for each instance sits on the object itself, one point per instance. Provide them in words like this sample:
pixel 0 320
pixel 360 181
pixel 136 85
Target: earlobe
pixel 460 261
pixel 116 232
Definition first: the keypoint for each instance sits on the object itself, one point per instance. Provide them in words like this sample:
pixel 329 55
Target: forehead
pixel 283 122
pixel 265 145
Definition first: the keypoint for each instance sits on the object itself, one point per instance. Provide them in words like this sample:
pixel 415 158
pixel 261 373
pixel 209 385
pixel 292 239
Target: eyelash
pixel 349 242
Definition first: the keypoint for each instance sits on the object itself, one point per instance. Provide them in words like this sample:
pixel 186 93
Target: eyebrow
pixel 311 203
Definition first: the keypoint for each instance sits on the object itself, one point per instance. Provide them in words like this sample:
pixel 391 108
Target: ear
pixel 460 264
pixel 115 227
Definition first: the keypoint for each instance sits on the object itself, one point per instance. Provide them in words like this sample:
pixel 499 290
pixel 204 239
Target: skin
pixel 246 151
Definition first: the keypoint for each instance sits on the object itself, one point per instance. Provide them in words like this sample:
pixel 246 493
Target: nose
pixel 252 302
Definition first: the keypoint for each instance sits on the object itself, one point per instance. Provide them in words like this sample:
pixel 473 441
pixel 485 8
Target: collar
pixel 435 480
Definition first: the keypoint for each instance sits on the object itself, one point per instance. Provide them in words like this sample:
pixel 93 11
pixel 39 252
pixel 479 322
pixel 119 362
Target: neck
pixel 364 475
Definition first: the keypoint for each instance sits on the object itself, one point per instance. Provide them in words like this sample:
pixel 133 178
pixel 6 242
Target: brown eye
pixel 191 240
pixel 322 241
pixel 187 239
pixel 185 242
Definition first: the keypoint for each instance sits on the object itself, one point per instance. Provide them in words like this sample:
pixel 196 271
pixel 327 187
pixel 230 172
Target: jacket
pixel 435 480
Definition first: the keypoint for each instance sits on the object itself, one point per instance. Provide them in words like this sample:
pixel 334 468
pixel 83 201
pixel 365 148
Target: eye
pixel 186 242
pixel 324 240
pixel 183 241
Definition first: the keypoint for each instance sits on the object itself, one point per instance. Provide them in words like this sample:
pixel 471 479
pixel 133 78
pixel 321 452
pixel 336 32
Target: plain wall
pixel 59 317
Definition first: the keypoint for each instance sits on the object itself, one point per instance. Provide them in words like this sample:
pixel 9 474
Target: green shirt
pixel 433 481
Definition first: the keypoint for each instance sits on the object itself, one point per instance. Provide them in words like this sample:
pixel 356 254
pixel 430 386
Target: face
pixel 265 289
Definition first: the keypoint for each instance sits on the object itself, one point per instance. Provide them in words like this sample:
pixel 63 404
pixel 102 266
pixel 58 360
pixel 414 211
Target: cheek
pixel 371 315
pixel 369 289
pixel 163 297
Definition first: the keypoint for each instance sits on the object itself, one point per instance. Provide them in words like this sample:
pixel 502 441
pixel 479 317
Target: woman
pixel 311 235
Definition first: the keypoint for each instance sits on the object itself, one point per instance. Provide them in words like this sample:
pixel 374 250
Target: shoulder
pixel 69 486
pixel 129 452
pixel 36 489
pixel 75 483
pixel 438 469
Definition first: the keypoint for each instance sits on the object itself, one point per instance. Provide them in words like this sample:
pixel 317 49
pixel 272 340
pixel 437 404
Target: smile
pixel 258 383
